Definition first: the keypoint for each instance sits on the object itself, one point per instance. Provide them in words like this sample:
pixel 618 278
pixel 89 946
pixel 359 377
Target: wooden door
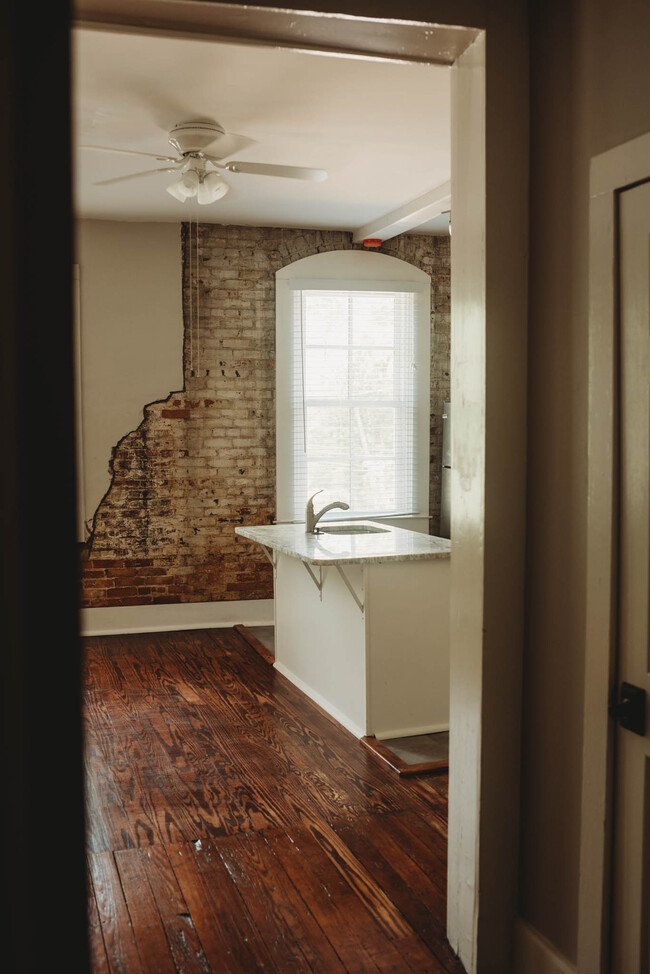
pixel 631 868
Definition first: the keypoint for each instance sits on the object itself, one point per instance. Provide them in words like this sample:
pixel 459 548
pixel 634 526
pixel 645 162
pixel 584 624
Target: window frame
pixel 349 271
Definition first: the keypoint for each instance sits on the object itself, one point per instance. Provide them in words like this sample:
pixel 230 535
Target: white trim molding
pixel 394 732
pixel 354 271
pixel 175 616
pixel 610 172
pixel 534 954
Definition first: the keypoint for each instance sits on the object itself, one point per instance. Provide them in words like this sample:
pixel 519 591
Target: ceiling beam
pixel 408 216
pixel 365 37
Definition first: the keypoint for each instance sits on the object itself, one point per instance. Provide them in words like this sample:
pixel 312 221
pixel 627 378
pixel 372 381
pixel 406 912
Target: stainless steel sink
pixel 349 529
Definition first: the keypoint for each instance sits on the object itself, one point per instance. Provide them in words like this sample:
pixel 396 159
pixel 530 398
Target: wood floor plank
pixel 434 790
pixel 106 819
pixel 423 845
pixel 383 932
pixel 237 927
pixel 148 928
pixel 409 887
pixel 271 757
pixel 357 877
pixel 253 698
pixel 377 896
pixel 146 799
pixel 189 807
pixel 284 774
pixel 224 800
pixel 223 952
pixel 184 942
pixel 319 953
pixel 249 637
pixel 336 915
pixel 118 937
pixel 430 821
pixel 215 798
pixel 274 919
pixel 283 703
pixel 112 778
pixel 96 947
pixel 210 789
pixel 248 831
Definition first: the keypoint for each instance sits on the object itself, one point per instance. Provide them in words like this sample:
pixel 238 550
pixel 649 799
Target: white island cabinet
pixel 362 622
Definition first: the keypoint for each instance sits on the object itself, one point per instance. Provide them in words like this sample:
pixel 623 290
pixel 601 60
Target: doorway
pixel 487 612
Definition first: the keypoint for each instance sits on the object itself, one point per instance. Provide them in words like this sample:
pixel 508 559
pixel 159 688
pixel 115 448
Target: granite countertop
pixel 391 544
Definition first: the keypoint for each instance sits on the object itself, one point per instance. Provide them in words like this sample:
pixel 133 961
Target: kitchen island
pixel 362 622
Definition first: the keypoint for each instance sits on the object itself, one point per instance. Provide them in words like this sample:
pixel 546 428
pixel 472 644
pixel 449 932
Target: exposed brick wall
pixel 203 460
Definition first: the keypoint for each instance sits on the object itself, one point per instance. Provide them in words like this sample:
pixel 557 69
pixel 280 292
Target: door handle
pixel 627 707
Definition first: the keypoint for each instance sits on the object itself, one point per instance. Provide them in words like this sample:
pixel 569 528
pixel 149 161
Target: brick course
pixel 203 460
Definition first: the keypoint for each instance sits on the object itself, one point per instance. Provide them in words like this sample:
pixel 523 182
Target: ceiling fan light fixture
pixel 193 177
pixel 185 187
pixel 175 191
pixel 212 188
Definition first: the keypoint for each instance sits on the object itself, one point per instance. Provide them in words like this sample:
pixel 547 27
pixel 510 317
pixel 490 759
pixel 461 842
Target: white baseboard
pixel 534 954
pixel 411 731
pixel 320 700
pixel 169 618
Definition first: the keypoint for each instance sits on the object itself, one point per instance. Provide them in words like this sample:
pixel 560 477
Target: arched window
pixel 352 389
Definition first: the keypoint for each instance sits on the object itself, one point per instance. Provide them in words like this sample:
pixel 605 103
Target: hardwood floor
pixel 233 826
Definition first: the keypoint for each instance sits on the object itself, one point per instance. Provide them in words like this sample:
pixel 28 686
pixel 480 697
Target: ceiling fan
pixel 199 172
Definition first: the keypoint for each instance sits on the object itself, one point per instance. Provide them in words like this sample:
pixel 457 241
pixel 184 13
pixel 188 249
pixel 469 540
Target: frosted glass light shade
pixel 185 187
pixel 212 188
pixel 175 191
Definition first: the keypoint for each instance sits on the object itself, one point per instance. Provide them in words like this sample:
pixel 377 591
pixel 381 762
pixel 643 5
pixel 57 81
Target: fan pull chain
pixel 198 303
pixel 191 299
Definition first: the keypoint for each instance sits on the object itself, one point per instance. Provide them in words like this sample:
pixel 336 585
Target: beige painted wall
pixel 591 74
pixel 131 333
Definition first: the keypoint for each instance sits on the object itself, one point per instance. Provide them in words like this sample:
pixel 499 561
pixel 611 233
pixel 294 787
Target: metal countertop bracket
pixel 318 582
pixel 350 589
pixel 270 554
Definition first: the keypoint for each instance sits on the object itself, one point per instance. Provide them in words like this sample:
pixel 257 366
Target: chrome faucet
pixel 312 519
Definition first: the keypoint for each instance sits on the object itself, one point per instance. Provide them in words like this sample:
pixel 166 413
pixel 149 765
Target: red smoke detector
pixel 372 242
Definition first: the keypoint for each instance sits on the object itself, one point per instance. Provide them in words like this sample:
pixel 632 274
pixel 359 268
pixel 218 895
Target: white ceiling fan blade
pixel 130 152
pixel 135 175
pixel 228 144
pixel 288 172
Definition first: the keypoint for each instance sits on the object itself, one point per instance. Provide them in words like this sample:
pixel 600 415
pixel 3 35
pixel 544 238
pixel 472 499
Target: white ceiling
pixel 380 128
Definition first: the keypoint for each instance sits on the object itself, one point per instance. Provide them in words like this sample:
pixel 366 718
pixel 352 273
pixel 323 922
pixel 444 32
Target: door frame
pixel 610 173
pixel 490 106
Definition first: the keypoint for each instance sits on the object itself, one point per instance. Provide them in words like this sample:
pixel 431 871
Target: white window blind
pixel 353 396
